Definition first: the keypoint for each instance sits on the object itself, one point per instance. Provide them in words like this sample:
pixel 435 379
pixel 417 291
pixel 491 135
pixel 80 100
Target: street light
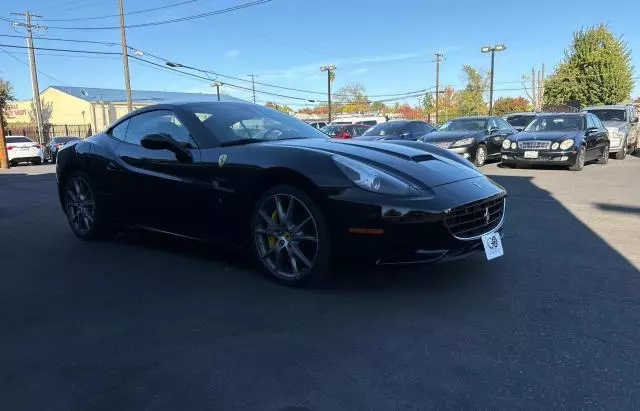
pixel 492 50
pixel 328 68
pixel 217 85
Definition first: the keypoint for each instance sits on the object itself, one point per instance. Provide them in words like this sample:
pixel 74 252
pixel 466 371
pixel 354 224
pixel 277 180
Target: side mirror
pixel 493 130
pixel 406 135
pixel 591 130
pixel 161 141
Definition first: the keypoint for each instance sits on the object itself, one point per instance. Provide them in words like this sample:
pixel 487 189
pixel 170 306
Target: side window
pixel 493 123
pixel 590 122
pixel 120 131
pixel 598 122
pixel 160 121
pixel 504 126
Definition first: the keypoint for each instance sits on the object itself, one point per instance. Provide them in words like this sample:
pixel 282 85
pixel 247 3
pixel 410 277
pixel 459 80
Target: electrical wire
pixel 27 64
pixel 126 14
pixel 62 50
pixel 161 22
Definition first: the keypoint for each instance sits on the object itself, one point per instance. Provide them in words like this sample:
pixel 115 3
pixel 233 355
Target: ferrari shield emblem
pixel 222 159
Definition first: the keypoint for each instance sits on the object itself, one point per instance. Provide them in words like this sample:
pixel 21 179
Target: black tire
pixel 100 227
pixel 286 241
pixel 481 156
pixel 622 154
pixel 53 159
pixel 604 158
pixel 580 160
pixel 37 162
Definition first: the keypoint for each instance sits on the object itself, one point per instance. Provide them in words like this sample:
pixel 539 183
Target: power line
pixel 27 64
pixel 161 22
pixel 62 50
pixel 105 43
pixel 128 13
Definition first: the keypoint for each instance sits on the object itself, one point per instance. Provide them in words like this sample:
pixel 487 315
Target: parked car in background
pixel 569 139
pixel 368 120
pixel 298 200
pixel 51 149
pixel 622 123
pixel 316 124
pixel 475 138
pixel 344 130
pixel 22 149
pixel 519 121
pixel 398 130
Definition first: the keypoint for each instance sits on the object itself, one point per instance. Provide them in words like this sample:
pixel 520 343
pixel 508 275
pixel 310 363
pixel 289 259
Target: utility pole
pixel 329 68
pixel 438 60
pixel 253 86
pixel 4 156
pixel 32 67
pixel 125 58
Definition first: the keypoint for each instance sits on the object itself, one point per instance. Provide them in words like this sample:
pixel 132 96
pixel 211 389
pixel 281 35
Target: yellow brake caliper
pixel 271 240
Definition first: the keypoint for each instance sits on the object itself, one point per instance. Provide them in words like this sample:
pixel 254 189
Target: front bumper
pixel 405 230
pixel 25 156
pixel 617 145
pixel 467 152
pixel 558 157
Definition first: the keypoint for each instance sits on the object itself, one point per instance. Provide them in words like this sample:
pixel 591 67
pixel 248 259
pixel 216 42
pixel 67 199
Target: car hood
pixel 449 135
pixel 374 138
pixel 423 165
pixel 614 124
pixel 544 135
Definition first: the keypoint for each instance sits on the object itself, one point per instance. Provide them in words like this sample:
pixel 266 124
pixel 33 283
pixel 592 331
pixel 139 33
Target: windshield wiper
pixel 241 142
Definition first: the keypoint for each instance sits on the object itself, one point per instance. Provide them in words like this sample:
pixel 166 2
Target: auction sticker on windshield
pixel 492 245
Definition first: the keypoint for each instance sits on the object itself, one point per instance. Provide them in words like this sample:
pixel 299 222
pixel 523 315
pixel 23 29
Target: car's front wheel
pixel 580 160
pixel 290 237
pixel 481 156
pixel 622 154
pixel 86 218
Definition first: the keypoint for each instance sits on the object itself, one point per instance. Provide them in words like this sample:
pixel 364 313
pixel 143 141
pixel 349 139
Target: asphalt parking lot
pixel 145 322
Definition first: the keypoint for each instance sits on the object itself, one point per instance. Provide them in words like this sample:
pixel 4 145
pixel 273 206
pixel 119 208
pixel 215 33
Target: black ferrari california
pixel 253 176
pixel 564 139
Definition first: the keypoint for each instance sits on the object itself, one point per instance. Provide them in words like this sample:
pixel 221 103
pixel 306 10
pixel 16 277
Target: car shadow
pixel 616 208
pixel 147 321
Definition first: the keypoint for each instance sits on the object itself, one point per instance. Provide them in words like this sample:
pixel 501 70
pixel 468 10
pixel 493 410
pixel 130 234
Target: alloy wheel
pixel 286 236
pixel 481 156
pixel 80 204
pixel 581 155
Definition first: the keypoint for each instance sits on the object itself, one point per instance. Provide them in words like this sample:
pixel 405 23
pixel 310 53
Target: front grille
pixel 475 219
pixel 534 145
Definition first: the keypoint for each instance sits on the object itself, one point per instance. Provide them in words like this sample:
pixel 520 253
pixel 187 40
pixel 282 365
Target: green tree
pixel 470 100
pixel 596 70
pixel 280 107
pixel 378 106
pixel 429 103
pixel 6 95
pixel 505 105
pixel 352 98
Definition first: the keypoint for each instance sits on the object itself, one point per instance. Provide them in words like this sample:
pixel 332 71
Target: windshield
pixel 557 123
pixel 238 122
pixel 610 114
pixel 17 139
pixel 464 124
pixel 520 120
pixel 385 129
pixel 331 130
pixel 62 140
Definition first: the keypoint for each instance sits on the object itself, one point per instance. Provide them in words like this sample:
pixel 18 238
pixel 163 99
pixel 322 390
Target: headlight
pixel 555 146
pixel 373 179
pixel 514 146
pixel 566 144
pixel 463 142
pixel 506 144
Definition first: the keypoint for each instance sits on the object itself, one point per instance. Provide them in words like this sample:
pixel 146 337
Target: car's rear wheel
pixel 481 156
pixel 580 159
pixel 37 161
pixel 604 159
pixel 290 237
pixel 83 211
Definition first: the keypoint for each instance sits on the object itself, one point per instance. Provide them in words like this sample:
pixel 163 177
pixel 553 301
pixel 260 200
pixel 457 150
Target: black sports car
pixel 476 138
pixel 397 130
pixel 569 139
pixel 252 175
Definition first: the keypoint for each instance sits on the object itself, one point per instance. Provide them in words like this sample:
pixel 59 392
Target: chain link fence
pixel 50 131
